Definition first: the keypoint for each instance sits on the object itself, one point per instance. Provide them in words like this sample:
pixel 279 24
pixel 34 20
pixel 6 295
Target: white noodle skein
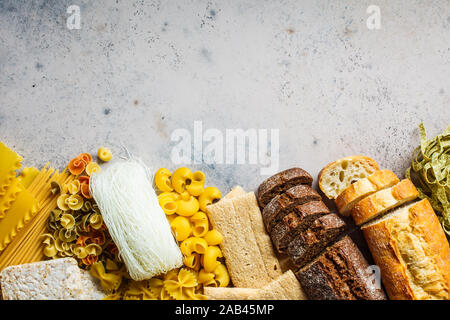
pixel 137 224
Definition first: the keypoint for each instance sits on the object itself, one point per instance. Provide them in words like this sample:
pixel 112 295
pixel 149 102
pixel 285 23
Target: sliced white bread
pixel 338 175
pixel 377 181
pixel 411 250
pixel 384 200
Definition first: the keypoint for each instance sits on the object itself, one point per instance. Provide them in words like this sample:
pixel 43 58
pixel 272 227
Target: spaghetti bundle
pixel 136 222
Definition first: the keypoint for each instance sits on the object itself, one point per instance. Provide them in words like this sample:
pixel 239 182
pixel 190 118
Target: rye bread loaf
pixel 339 273
pixel 312 241
pixel 296 221
pixel 284 203
pixel 281 182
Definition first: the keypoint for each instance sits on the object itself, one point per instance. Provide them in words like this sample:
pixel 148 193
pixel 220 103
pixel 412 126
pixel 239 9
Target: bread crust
pixel 386 243
pixel 340 273
pixel 281 182
pixel 380 180
pixel 282 204
pixel 296 221
pixel 384 200
pixel 312 241
pixel 372 163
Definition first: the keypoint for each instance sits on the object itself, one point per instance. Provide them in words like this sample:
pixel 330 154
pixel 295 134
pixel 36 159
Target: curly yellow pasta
pixel 168 202
pixel 74 187
pixel 181 228
pixel 162 180
pixel 187 205
pixel 209 259
pixel 200 228
pixel 61 202
pixel 104 154
pixel 80 252
pixel 50 250
pixel 180 178
pixel 195 188
pixel 93 249
pixel 209 196
pixel 92 167
pixel 96 221
pixel 221 275
pixel 75 202
pixel 213 237
pixel 67 221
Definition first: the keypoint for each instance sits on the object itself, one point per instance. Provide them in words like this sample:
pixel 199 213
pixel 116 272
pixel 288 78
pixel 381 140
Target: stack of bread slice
pixel 403 233
pixel 251 261
pixel 302 227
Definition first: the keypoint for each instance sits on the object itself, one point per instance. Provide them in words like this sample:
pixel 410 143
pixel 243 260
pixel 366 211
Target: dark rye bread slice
pixel 339 273
pixel 301 217
pixel 280 182
pixel 284 203
pixel 312 241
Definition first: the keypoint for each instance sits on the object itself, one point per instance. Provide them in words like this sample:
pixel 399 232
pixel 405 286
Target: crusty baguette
pixel 284 203
pixel 338 175
pixel 355 192
pixel 412 252
pixel 220 293
pixel 281 182
pixel 384 200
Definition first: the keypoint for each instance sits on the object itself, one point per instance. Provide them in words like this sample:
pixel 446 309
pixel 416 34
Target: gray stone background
pixel 137 70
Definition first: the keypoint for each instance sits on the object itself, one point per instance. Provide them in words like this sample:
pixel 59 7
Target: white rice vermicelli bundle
pixel 136 222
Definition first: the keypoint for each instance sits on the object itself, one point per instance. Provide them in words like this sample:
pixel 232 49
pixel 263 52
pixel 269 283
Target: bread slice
pixel 58 279
pixel 284 203
pixel 281 182
pixel 339 273
pixel 297 221
pixel 285 287
pixel 239 245
pixel 236 191
pixel 383 201
pixel 220 293
pixel 410 247
pixel 355 192
pixel 312 241
pixel 338 175
pixel 247 204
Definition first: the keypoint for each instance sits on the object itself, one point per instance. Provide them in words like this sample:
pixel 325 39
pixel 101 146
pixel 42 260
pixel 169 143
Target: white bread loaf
pixel 412 252
pixel 382 201
pixel 377 181
pixel 338 175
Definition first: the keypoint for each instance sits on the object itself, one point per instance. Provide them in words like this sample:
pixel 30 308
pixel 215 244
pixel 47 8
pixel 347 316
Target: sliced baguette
pixel 383 201
pixel 338 175
pixel 377 181
pixel 412 252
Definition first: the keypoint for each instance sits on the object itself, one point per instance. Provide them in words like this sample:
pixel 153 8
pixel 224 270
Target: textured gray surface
pixel 137 70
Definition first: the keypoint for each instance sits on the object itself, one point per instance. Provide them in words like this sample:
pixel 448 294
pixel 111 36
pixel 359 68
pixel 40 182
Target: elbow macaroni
pixel 162 180
pixel 197 183
pixel 208 196
pixel 183 199
pixel 210 258
pixel 180 178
